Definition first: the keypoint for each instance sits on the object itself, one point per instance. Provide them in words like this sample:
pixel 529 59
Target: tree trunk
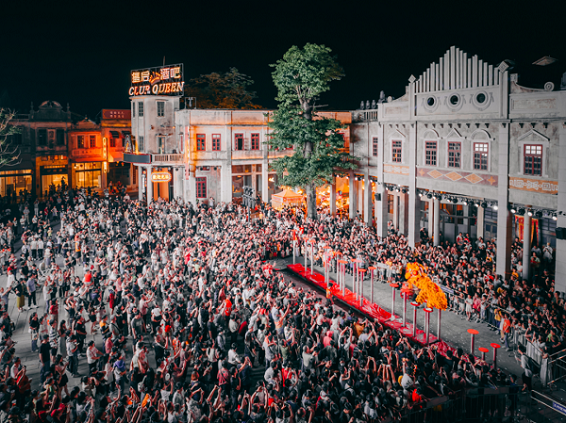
pixel 311 201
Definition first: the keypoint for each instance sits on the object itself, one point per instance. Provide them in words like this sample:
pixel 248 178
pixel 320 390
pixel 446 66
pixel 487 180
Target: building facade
pixel 43 149
pixel 96 153
pixel 466 150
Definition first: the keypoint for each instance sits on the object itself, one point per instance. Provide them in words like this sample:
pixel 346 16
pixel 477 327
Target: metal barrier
pixel 553 369
pixel 474 405
pixel 545 409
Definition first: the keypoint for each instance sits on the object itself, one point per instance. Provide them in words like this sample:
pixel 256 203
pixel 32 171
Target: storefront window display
pixel 88 175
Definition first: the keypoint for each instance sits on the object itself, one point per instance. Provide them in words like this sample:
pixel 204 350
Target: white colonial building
pixel 466 149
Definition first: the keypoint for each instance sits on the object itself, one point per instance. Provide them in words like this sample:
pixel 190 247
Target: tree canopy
pixel 229 90
pixel 301 77
pixel 9 150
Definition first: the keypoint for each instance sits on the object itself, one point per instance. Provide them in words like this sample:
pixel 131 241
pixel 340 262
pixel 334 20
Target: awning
pixel 115 134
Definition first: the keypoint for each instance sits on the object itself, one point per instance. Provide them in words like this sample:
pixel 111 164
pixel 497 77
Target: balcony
pixel 167 159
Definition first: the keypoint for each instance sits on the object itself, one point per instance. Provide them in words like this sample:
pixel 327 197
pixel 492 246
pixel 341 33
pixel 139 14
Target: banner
pixel 520 225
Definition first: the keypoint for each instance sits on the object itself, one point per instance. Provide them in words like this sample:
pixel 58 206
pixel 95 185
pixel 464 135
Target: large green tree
pixel 301 77
pixel 9 150
pixel 228 90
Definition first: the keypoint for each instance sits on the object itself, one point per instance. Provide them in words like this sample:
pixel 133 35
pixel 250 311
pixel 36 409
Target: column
pixel 480 222
pixel 226 183
pixel 178 176
pixel 352 195
pixel 149 190
pixel 396 211
pixel 527 247
pixel 368 202
pixel 141 187
pixel 414 219
pixel 430 218
pixel 381 210
pixel 192 188
pixel 332 199
pixel 403 214
pixel 560 255
pixel 436 224
pixel 504 227
pixel 264 183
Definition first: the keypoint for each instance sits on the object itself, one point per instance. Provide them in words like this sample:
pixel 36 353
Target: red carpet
pixel 370 309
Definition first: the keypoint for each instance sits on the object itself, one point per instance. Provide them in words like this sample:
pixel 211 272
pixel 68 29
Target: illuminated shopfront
pixel 15 181
pixel 88 175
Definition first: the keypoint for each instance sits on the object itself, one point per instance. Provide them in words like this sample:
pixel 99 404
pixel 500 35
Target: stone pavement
pixel 453 326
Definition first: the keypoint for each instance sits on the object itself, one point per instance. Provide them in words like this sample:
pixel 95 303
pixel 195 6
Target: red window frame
pixel 215 142
pixel 532 159
pixel 92 141
pixel 201 142
pixel 481 155
pixel 455 154
pixel 431 153
pixel 201 186
pixel 237 138
pixel 397 151
pixel 255 141
pixel 375 146
pixel 80 141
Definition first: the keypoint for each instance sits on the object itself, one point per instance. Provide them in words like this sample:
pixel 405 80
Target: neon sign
pixel 164 80
pixel 160 177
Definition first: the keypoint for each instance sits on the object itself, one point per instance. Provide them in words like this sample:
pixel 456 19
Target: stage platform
pixel 368 308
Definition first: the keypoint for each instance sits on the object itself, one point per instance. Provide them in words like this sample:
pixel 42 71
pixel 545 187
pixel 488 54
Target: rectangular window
pixel 533 160
pixel 141 147
pixel 396 151
pixel 430 153
pixel 239 142
pixel 133 109
pixel 42 136
pixel 454 154
pixel 93 141
pixel 255 141
pixel 140 109
pixel 374 147
pixel 80 141
pixel 390 199
pixel 60 137
pixel 201 187
pixel 160 108
pixel 160 145
pixel 215 142
pixel 113 142
pixel 201 142
pixel 481 151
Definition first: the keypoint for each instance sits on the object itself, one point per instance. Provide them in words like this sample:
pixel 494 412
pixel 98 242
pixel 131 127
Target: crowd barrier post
pixel 393 287
pixel 294 251
pixel 415 307
pixel 361 278
pixel 372 270
pixel 427 311
pixel 342 275
pixel 473 333
pixel 495 348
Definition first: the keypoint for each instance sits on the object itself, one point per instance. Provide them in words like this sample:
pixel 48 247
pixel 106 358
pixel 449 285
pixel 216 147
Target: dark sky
pixel 81 52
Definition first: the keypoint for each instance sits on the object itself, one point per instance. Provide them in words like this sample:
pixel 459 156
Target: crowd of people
pixel 180 320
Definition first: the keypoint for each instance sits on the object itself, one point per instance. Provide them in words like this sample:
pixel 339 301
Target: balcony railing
pixel 167 158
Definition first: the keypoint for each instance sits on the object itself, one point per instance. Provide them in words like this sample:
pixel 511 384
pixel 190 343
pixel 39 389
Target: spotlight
pixel 397 189
pixel 484 205
pixel 429 196
pixel 513 210
pixel 420 194
pixel 530 212
pixel 554 217
pixel 404 191
pixel 521 212
pixel 538 214
pixel 454 200
pixel 476 204
pixel 495 207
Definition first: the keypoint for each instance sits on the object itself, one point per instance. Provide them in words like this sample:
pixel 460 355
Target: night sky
pixel 81 52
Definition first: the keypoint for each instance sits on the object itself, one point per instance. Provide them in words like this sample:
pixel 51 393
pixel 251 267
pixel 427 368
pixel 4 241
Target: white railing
pixel 167 158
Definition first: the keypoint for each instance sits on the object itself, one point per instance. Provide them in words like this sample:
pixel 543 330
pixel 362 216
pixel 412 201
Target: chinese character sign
pixel 164 80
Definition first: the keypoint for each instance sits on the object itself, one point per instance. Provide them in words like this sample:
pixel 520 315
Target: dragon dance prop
pixel 429 292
